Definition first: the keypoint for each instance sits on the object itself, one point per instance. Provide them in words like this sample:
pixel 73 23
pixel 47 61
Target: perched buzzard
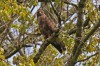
pixel 47 28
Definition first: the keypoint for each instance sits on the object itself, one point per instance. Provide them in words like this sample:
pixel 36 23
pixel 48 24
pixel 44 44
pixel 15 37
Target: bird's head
pixel 40 12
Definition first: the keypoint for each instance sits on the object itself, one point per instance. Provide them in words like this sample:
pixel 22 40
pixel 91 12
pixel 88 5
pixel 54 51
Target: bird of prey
pixel 47 28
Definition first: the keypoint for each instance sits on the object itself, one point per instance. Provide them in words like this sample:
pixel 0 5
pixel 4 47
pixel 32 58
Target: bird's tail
pixel 59 45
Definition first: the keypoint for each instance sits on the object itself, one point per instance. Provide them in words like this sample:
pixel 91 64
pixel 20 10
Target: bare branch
pixel 45 0
pixel 41 50
pixel 59 18
pixel 92 31
pixel 14 50
pixel 88 57
pixel 66 2
pixel 77 49
pixel 87 37
pixel 86 23
pixel 32 8
pixel 8 55
pixel 43 47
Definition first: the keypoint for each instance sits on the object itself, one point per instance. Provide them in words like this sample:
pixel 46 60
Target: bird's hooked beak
pixel 38 14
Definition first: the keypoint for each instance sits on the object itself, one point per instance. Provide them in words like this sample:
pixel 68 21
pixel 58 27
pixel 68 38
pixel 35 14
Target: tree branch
pixel 87 58
pixel 59 18
pixel 66 2
pixel 42 48
pixel 92 31
pixel 11 51
pixel 8 55
pixel 86 38
pixel 45 0
pixel 32 8
pixel 77 50
pixel 86 23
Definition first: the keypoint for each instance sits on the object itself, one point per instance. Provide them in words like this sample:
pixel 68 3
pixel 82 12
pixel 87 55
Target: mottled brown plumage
pixel 47 28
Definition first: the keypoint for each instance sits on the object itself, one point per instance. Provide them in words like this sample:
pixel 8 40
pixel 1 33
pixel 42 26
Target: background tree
pixel 79 28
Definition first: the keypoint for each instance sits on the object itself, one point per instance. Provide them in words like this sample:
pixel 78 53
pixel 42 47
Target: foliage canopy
pixel 79 30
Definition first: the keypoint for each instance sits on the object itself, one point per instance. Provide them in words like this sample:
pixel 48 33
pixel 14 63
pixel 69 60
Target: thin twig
pixel 32 8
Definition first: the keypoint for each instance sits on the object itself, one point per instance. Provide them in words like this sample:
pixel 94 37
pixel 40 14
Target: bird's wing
pixel 51 24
